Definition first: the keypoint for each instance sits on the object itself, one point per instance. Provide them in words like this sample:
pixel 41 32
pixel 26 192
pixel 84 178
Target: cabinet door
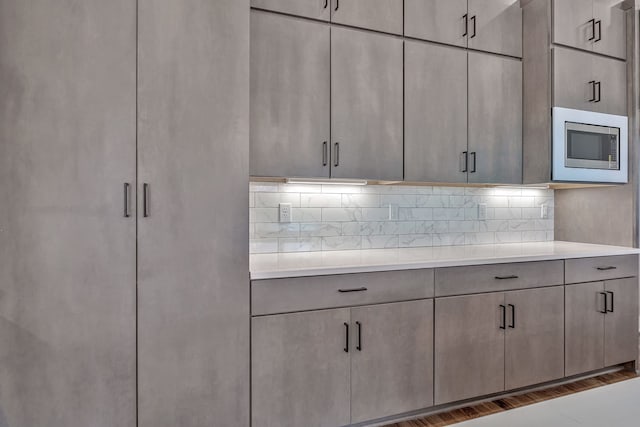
pixel 193 151
pixel 571 23
pixel 67 251
pixel 469 347
pixel 584 328
pixel 495 119
pixel 290 97
pixel 435 98
pixel 612 76
pixel 572 74
pixel 535 337
pixel 300 369
pixel 316 9
pixel 437 20
pixel 392 359
pixel 496 26
pixel 621 322
pixel 379 15
pixel 613 35
pixel 367 107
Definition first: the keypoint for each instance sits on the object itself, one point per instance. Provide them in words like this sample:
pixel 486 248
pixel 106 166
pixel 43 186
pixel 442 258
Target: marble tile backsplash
pixel 333 217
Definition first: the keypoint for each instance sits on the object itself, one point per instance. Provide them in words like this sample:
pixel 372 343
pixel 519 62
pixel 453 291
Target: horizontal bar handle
pixel 345 291
pixel 507 277
pixel 610 267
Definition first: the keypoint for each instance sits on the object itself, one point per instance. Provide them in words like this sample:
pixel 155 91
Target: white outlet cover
pixel 482 211
pixel 393 212
pixel 544 211
pixel 285 212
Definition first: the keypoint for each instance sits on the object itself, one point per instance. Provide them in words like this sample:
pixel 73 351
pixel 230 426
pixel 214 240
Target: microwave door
pixel 592 147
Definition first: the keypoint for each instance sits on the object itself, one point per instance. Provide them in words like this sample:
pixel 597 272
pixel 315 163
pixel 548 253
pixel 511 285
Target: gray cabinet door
pixel 290 96
pixel 621 322
pixel 571 23
pixel 379 15
pixel 584 328
pixel 495 119
pixel 496 26
pixel 572 74
pixel 67 252
pixel 437 20
pixel 613 29
pixel 367 110
pixel 300 369
pixel 469 347
pixel 193 275
pixel 612 77
pixel 316 9
pixel 392 359
pixel 534 350
pixel 435 99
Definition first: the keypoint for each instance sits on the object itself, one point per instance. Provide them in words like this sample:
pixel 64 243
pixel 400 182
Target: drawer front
pixel 320 292
pixel 498 277
pixel 601 268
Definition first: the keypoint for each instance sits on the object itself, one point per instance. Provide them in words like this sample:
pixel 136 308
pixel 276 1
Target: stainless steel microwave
pixel 589 147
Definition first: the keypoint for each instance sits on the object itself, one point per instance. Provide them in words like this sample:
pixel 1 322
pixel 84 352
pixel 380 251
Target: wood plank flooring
pixel 500 405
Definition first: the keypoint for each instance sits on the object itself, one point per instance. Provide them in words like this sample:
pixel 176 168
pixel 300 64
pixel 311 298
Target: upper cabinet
pixel 366 105
pixel 379 15
pixel 488 25
pixel 290 96
pixel 593 25
pixel 316 9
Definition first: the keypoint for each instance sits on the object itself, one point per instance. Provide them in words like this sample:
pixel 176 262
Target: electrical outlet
pixel 482 211
pixel 393 212
pixel 544 211
pixel 285 212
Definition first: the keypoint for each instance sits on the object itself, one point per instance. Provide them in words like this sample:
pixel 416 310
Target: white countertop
pixel 275 266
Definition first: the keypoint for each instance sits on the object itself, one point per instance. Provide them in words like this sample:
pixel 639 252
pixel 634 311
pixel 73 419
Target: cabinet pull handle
pixel 336 147
pixel 325 153
pixel 473 20
pixel 507 277
pixel 359 346
pixel 145 200
pixel 512 325
pixel 346 337
pixel 345 291
pixel 474 158
pixel 598 84
pixel 593 91
pixel 593 29
pixel 599 24
pixel 604 294
pixel 606 305
pixel 326 4
pixel 127 200
pixel 607 268
pixel 503 311
pixel 464 161
pixel 466 24
pixel 337 5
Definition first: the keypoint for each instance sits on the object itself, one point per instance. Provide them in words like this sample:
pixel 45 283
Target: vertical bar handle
pixel 336 162
pixel 604 310
pixel 465 17
pixel 473 20
pixel 599 24
pixel 593 29
pixel 337 5
pixel 464 161
pixel 503 311
pixel 593 91
pixel 346 337
pixel 599 85
pixel 512 325
pixel 326 3
pixel 474 158
pixel 325 153
pixel 146 194
pixel 359 346
pixel 606 307
pixel 127 200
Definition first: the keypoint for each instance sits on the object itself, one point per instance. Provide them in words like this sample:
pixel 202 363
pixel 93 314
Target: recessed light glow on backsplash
pixel 329 217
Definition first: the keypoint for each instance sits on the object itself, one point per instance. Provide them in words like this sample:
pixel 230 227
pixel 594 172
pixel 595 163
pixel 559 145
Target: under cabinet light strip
pixel 326 181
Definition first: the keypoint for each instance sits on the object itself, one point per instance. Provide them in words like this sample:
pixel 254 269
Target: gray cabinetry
pixel 193 282
pixel 316 9
pixel 367 105
pixel 611 27
pixel 290 96
pixel 67 251
pixel 379 15
pixel 495 119
pixel 435 104
pixel 621 321
pixel 300 369
pixel 469 347
pixel 611 77
pixel 444 21
pixel 392 359
pixel 534 350
pixel 496 26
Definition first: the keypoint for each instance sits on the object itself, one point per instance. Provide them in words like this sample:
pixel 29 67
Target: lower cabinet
pixel 601 324
pixel 336 367
pixel 489 343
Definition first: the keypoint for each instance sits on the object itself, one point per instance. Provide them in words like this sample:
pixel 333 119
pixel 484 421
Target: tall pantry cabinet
pixel 124 283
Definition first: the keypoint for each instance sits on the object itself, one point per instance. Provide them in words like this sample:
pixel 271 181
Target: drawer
pixel 320 292
pixel 498 277
pixel 601 268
